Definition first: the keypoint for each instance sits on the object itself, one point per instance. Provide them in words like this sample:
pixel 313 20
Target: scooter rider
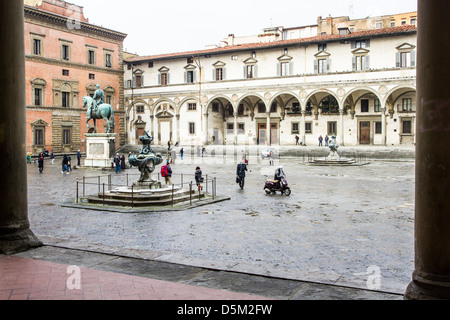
pixel 279 173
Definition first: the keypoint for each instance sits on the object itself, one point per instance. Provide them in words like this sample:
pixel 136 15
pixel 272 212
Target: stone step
pixel 127 202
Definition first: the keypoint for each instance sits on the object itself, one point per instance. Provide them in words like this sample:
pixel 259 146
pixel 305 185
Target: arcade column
pixel 431 277
pixel 15 233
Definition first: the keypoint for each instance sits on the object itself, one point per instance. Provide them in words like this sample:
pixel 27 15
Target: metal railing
pixel 102 184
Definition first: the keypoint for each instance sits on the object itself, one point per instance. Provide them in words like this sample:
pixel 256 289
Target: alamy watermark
pixel 74 19
pixel 373 274
pixel 74 280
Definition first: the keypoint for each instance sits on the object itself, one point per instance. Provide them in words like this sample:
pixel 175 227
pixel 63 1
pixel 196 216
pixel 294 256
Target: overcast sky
pixel 171 26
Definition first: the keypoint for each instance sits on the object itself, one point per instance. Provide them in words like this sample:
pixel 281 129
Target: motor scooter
pixel 272 186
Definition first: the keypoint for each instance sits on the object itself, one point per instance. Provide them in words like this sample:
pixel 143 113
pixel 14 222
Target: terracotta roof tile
pixel 250 46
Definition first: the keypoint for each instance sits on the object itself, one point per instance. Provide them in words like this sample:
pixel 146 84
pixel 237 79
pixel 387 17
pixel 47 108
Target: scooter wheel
pixel 287 192
pixel 267 191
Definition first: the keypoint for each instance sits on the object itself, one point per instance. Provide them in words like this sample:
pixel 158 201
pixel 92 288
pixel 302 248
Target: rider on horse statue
pixel 99 98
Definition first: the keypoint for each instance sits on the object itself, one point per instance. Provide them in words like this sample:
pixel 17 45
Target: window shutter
pixel 194 76
pixel 413 58
pixel 354 63
pixel 291 68
pixel 245 72
pixel 159 79
pixel 353 44
pixel 168 77
pixel 397 59
pixel 368 43
pixel 142 81
pixel 328 65
pixel 125 84
pixel 185 77
pixel 256 72
pixel 214 76
pixel 367 58
pixel 278 69
pixel 224 73
pixel 134 82
pixel 316 66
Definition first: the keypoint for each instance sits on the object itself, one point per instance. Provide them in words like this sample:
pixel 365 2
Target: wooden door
pixel 262 133
pixel 364 132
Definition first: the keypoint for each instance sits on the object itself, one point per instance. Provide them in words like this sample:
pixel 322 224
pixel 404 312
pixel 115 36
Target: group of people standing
pixel 321 139
pixel 119 163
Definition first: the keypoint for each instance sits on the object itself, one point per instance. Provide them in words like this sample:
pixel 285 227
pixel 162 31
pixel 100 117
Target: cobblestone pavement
pixel 349 226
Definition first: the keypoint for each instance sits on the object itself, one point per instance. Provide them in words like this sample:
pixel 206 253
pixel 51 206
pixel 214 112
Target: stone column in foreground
pixel 15 233
pixel 431 277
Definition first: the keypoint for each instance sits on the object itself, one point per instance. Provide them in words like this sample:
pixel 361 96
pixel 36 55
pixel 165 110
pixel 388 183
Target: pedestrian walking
pixel 41 162
pixel 296 139
pixel 198 178
pixel 65 164
pixel 203 151
pixel 166 173
pixel 198 151
pixel 69 164
pixel 181 153
pixel 117 163
pixel 270 158
pixel 168 145
pixel 320 141
pixel 52 157
pixel 240 173
pixel 326 140
pixel 122 162
pixel 78 158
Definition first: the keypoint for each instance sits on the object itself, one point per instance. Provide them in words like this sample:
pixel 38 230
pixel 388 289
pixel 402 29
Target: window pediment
pixel 360 51
pixel 163 70
pixel 138 72
pixel 190 67
pixel 39 123
pixel 251 61
pixel 219 64
pixel 285 58
pixel 406 47
pixel 322 55
pixel 39 82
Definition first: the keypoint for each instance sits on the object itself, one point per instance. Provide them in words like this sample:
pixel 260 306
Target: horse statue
pixel 104 111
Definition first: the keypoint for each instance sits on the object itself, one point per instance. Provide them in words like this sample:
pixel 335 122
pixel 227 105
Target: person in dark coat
pixel 41 162
pixel 65 164
pixel 198 178
pixel 122 162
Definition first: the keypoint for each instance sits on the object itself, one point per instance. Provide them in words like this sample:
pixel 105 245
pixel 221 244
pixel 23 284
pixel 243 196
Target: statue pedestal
pixel 100 148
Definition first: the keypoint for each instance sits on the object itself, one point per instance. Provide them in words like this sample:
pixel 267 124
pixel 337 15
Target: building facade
pixel 66 57
pixel 359 86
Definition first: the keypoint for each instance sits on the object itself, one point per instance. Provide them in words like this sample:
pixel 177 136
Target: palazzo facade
pixel 66 57
pixel 358 85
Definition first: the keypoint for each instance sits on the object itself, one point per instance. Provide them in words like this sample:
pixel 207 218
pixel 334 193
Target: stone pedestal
pixel 100 148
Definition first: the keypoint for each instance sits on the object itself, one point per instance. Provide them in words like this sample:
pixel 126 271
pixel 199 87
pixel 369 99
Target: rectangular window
pixel 215 107
pixel 65 99
pixel 37 47
pixel 332 128
pixel 108 99
pixel 108 60
pixel 138 81
pixel 91 57
pixel 377 105
pixel 360 43
pixel 308 127
pixel 261 108
pixel 39 136
pixel 91 76
pixel 295 129
pixel 191 127
pixel 378 127
pixel 65 72
pixel 407 104
pixel 66 136
pixel 233 58
pixel 192 106
pixel 190 60
pixel 406 127
pixel 190 76
pixel 284 69
pixel 322 65
pixel 65 54
pixel 37 96
pixel 364 105
pixel 140 109
pixel 230 128
pixel 219 74
pixel 164 79
pixel 250 71
pixel 241 128
pixel 150 64
pixel 322 47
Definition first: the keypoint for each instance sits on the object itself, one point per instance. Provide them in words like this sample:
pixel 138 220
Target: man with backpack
pixel 166 172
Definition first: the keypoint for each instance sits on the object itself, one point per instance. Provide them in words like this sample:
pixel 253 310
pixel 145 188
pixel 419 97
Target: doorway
pixel 364 132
